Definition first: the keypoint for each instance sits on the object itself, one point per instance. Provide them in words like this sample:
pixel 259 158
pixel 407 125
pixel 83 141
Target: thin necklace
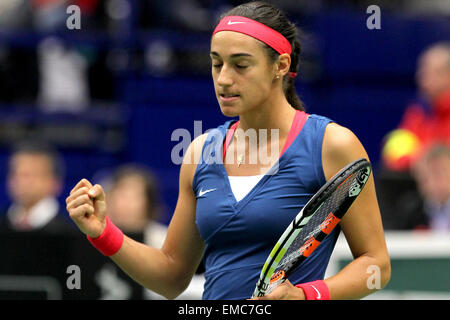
pixel 241 157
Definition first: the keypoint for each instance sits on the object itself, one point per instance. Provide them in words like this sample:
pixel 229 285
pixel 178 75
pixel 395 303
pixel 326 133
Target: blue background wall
pixel 361 78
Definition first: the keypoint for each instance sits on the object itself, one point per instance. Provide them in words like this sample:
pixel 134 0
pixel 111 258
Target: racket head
pixel 321 214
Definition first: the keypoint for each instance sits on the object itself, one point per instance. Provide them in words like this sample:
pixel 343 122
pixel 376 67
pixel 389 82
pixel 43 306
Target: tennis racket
pixel 312 225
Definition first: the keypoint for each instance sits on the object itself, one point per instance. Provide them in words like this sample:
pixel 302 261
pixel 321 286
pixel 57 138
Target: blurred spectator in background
pixel 432 173
pixel 406 202
pixel 134 203
pixel 34 181
pixel 423 123
pixel 134 206
pixel 63 77
pixel 14 14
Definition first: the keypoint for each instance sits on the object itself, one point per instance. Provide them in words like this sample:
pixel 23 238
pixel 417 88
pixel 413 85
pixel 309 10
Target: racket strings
pixel 312 228
pixel 312 225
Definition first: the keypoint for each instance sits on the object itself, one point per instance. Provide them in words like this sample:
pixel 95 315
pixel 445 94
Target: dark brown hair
pixel 274 18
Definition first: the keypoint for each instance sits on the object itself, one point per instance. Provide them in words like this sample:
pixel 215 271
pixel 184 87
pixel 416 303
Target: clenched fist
pixel 86 205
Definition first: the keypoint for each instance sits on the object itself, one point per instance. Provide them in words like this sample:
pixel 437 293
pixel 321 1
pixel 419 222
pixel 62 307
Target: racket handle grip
pixel 315 290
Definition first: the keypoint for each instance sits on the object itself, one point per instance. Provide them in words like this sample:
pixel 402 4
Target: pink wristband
pixel 110 241
pixel 315 290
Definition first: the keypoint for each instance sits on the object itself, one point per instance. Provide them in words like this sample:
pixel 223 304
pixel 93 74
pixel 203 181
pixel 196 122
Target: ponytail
pixel 289 81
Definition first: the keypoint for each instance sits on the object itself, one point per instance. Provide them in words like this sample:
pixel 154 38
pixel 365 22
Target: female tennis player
pixel 232 213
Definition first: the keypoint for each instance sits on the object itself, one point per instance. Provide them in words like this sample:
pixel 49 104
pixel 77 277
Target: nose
pixel 225 78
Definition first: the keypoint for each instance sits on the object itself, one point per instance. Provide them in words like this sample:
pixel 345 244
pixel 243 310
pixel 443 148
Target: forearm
pixel 150 267
pixel 363 276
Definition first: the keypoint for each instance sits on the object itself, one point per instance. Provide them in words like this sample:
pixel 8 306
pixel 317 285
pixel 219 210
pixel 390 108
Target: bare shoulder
pixel 194 150
pixel 339 139
pixel 192 158
pixel 340 147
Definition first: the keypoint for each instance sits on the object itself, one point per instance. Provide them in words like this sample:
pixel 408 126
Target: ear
pixel 283 64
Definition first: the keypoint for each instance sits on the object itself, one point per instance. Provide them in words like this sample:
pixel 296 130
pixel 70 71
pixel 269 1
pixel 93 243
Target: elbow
pixel 177 289
pixel 177 286
pixel 171 296
pixel 171 291
pixel 385 270
pixel 386 273
pixel 379 274
pixel 170 286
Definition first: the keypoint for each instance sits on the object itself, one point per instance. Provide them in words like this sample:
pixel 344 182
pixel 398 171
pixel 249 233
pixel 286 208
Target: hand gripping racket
pixel 312 225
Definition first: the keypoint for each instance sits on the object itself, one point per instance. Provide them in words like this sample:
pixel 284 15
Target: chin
pixel 230 114
pixel 229 111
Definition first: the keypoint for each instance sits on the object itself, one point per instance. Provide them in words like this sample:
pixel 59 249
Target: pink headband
pixel 257 30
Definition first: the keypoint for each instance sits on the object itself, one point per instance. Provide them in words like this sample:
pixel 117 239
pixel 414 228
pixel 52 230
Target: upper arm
pixel 362 224
pixel 183 243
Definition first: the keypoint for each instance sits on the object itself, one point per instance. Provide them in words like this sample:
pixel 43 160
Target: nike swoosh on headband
pixel 234 22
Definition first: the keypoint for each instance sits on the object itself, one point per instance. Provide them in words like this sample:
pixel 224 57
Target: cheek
pixel 26 183
pixel 258 84
pixel 14 187
pixel 214 78
pixel 260 91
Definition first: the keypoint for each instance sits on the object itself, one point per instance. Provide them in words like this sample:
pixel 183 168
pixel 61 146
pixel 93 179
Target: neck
pixel 275 113
pixel 27 206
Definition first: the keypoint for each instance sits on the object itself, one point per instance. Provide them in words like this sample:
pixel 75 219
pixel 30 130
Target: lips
pixel 228 97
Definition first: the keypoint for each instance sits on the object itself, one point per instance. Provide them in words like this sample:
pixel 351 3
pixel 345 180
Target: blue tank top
pixel 240 235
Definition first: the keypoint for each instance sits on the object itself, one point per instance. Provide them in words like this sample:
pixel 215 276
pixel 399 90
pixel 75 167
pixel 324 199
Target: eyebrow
pixel 234 55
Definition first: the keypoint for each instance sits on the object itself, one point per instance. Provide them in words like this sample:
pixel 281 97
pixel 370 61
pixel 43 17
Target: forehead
pixel 31 160
pixel 133 180
pixel 442 159
pixel 435 57
pixel 226 43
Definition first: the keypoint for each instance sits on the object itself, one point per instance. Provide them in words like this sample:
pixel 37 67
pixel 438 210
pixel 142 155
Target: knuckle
pixel 84 189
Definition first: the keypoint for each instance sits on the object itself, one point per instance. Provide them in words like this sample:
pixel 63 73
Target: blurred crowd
pixel 198 15
pixel 44 66
pixel 34 183
pixel 420 146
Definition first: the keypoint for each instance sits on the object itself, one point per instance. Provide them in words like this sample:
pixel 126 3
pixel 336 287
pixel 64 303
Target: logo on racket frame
pixel 326 226
pixel 277 276
pixel 331 221
pixel 310 245
pixel 359 182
